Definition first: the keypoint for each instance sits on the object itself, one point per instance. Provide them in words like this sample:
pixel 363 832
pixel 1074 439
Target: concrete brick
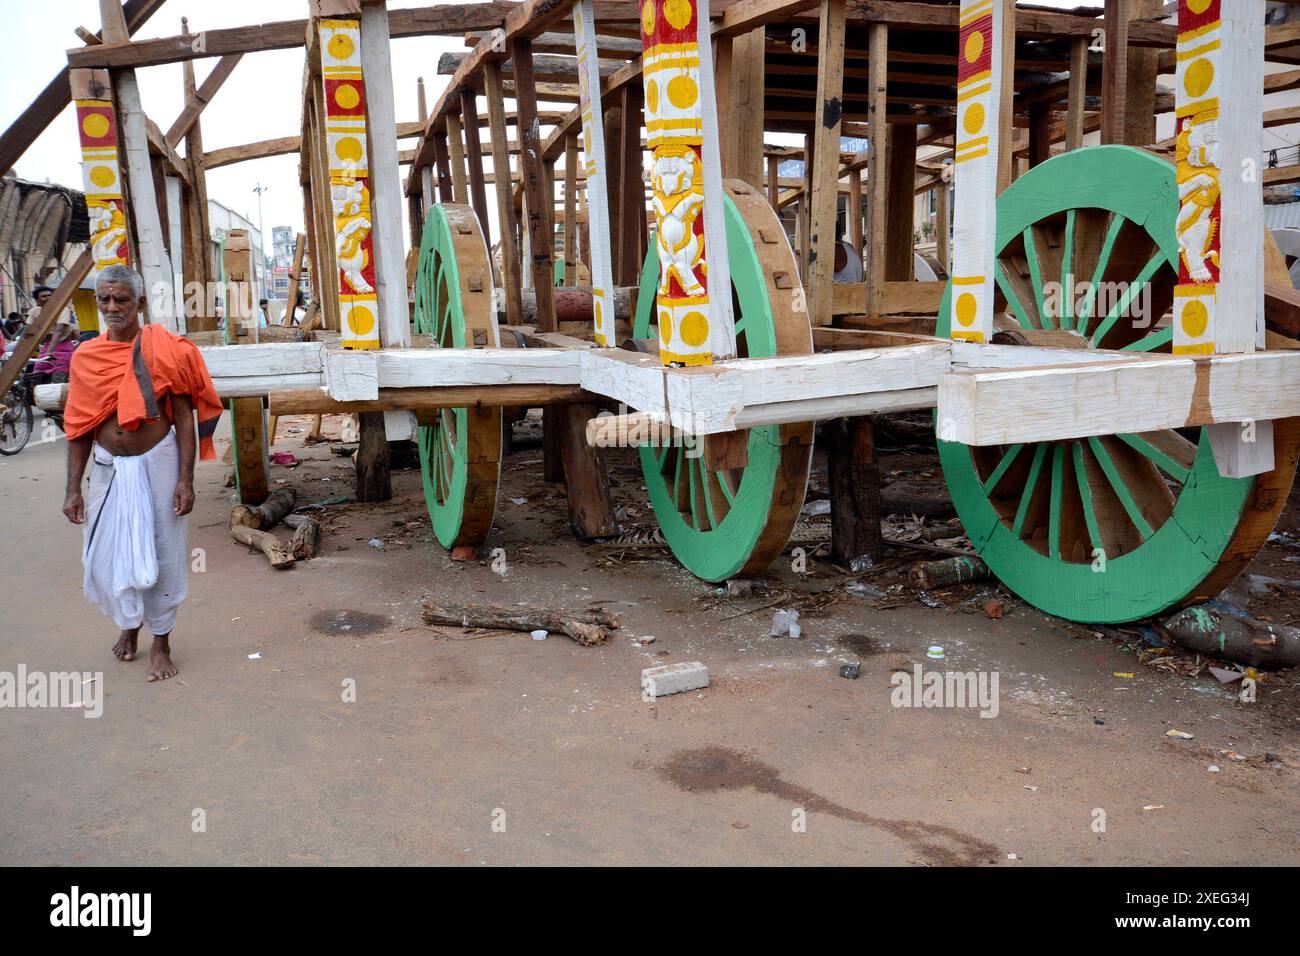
pixel 674 678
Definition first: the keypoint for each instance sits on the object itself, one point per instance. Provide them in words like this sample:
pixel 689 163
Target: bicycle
pixel 16 417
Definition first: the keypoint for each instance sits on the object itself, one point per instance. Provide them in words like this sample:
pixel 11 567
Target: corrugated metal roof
pixel 1282 215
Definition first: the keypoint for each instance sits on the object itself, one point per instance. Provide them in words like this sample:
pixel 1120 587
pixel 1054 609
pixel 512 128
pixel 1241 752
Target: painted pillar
pixel 979 98
pixel 681 125
pixel 593 151
pixel 345 137
pixel 101 171
pixel 1218 305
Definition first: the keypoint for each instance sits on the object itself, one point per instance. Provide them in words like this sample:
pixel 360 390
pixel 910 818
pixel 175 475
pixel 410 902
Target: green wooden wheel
pixel 1118 527
pixel 722 523
pixel 460 448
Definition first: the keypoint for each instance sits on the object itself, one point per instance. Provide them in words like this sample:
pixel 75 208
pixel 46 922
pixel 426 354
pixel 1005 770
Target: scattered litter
pixel 1099 722
pixel 376 543
pixel 740 587
pixel 285 458
pixel 993 609
pixel 862 589
pixel 1214 768
pixel 814 508
pixel 1012 856
pixel 1154 806
pixel 929 600
pixel 1224 675
pixel 648 639
pixel 786 624
pixel 1180 734
pixel 1233 755
pixel 940 574
pixel 936 652
pixel 519 501
pixel 863 562
pixel 1022 770
pixel 1123 675
pixel 1033 789
pixel 256 656
pixel 464 552
pixel 851 671
pixel 539 635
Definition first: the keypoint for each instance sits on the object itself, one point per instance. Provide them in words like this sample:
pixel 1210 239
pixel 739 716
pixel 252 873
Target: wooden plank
pixel 570 213
pixel 540 202
pixel 874 261
pixel 630 214
pixel 853 476
pixel 900 204
pixel 295 277
pixel 1078 94
pixel 456 157
pixel 510 278
pixel 247 420
pixel 823 235
pixel 474 159
pixel 597 167
pixel 1114 69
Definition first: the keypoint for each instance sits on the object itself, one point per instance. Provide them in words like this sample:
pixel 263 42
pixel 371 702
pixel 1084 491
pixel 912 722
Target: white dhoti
pixel 135 551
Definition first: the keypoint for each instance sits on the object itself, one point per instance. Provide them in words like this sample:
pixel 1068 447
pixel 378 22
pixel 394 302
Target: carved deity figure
pixel 678 201
pixel 1198 193
pixel 351 201
pixel 107 230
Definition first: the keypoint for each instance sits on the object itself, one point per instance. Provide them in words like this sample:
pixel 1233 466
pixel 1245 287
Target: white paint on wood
pixel 593 144
pixel 352 375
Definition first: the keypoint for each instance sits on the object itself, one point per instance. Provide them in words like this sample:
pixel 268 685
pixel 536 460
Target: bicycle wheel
pixel 15 421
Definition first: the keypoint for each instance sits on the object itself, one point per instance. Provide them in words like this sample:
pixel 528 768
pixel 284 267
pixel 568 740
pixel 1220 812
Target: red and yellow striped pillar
pixel 101 172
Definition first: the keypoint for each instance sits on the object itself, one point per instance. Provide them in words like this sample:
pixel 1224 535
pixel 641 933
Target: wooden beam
pixel 473 157
pixel 456 157
pixel 823 237
pixel 195 103
pixel 900 204
pixel 505 200
pixel 1078 94
pixel 1114 70
pixel 539 200
pixel 876 177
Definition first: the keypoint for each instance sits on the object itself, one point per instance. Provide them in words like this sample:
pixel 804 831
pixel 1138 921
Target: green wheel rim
pixel 711 520
pixel 1089 491
pixel 440 314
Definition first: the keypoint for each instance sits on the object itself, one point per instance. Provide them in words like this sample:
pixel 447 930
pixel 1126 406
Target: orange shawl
pixel 132 378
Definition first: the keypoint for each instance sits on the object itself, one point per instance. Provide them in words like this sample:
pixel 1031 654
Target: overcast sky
pixel 260 100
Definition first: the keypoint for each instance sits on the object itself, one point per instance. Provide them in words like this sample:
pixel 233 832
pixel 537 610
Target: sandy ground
pixel 497 749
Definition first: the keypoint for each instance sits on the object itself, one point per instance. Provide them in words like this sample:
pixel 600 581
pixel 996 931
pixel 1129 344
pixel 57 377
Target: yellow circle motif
pixel 1198 77
pixel 1195 319
pixel 695 329
pixel 340 46
pixel 346 96
pixel 665 327
pixel 652 96
pixel 966 308
pixel 361 321
pixel 678 13
pixel 1198 6
pixel 349 149
pixel 974 46
pixel 95 125
pixel 648 17
pixel 973 121
pixel 682 92
pixel 102 176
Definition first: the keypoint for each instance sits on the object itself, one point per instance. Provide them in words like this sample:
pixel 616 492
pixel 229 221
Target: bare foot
pixel 160 660
pixel 124 649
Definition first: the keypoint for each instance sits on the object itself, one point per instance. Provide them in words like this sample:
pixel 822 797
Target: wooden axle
pixel 312 401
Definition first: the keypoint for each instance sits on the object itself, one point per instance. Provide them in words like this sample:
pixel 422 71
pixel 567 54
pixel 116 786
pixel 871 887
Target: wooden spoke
pixel 1152 341
pixel 1167 450
pixel 1001 469
pixel 1135 290
pixel 1103 263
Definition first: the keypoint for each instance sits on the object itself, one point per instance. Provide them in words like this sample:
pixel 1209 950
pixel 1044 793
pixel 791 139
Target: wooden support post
pixel 247 417
pixel 440 158
pixel 345 101
pixel 823 236
pixel 1078 95
pixel 1040 133
pixel 1006 89
pixel 597 245
pixel 631 212
pixel 773 182
pixel 494 92
pixel 295 278
pixel 541 241
pixel 900 225
pixel 943 225
pixel 474 158
pixel 978 155
pixel 1140 79
pixel 1114 80
pixel 198 236
pixel 853 474
pixel 456 157
pixel 570 210
pixel 805 203
pixel 586 483
pixel 373 478
pixel 612 136
pixel 874 262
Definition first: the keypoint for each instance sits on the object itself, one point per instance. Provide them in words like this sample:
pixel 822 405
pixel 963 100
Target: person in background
pixel 65 326
pixel 262 321
pixel 848 263
pixel 299 311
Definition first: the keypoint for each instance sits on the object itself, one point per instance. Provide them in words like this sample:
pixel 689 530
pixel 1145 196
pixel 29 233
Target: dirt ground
pixel 491 748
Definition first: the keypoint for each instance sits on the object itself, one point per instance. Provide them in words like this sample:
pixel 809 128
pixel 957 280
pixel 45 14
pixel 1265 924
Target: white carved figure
pixel 678 203
pixel 1198 193
pixel 108 231
pixel 351 228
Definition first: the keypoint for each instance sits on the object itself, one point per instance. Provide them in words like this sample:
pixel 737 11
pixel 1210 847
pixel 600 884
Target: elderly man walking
pixel 132 398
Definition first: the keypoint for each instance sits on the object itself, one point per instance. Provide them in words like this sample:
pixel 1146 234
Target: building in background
pixel 221 219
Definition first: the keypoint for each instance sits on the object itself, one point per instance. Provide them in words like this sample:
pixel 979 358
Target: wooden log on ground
pixel 1223 636
pixel 271 546
pixel 586 627
pixel 853 472
pixel 305 540
pixel 269 513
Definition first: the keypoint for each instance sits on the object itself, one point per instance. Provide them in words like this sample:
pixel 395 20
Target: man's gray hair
pixel 123 274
